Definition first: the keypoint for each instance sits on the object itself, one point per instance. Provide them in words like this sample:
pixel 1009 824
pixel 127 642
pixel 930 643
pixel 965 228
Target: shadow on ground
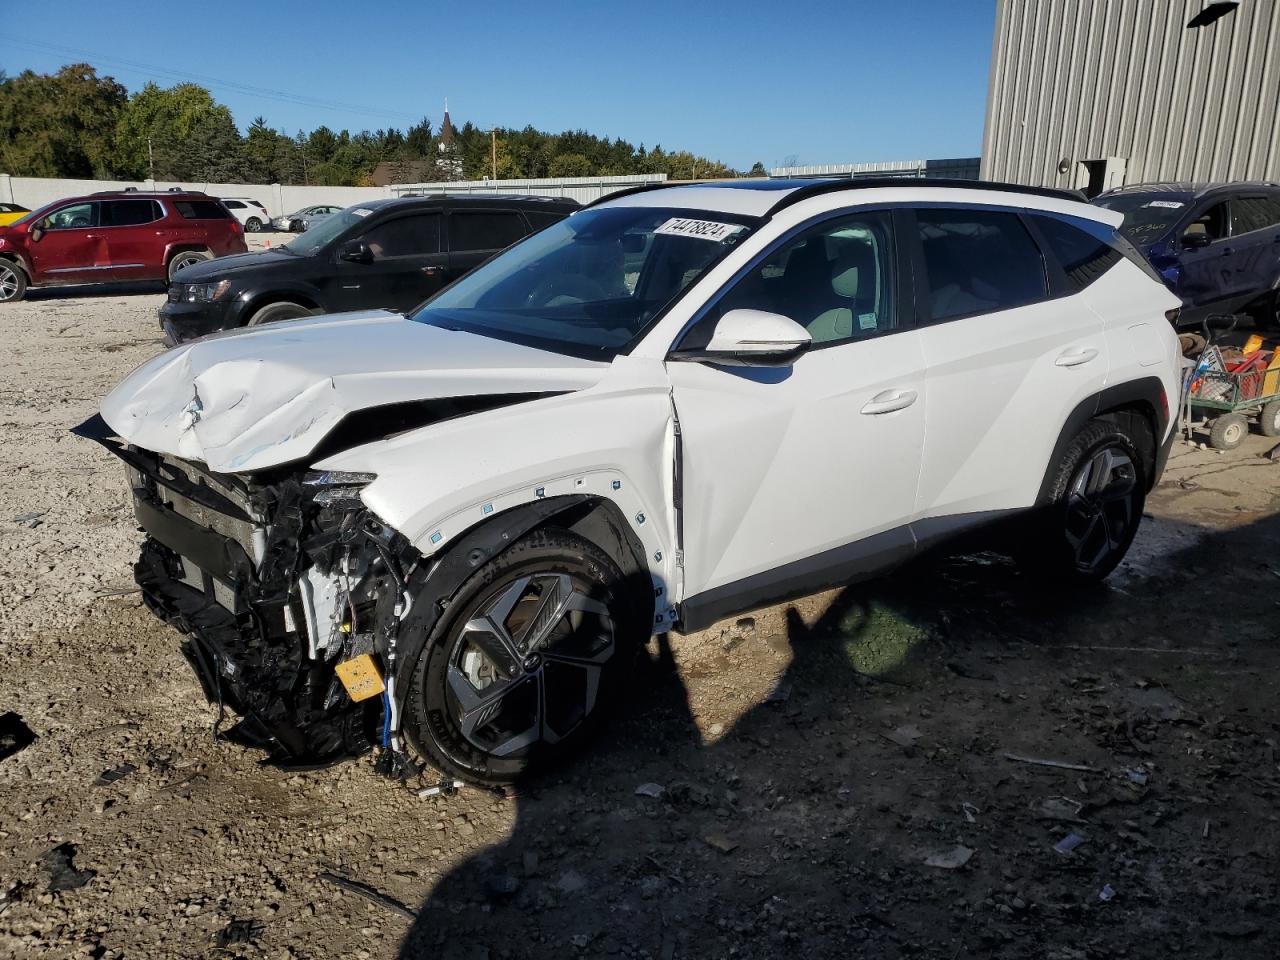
pixel 808 828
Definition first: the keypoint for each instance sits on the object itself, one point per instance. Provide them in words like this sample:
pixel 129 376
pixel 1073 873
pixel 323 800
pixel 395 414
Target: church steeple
pixel 446 126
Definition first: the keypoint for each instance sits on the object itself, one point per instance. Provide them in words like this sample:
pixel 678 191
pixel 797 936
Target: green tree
pixel 59 125
pixel 757 170
pixel 190 134
pixel 570 165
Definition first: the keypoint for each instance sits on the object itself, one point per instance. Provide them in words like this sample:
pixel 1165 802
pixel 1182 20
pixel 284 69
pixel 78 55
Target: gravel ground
pixel 832 777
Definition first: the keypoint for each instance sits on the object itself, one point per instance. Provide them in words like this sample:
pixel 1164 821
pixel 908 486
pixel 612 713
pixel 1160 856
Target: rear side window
pixel 233 204
pixel 484 230
pixel 1083 256
pixel 411 236
pixel 201 210
pixel 1254 213
pixel 978 261
pixel 129 213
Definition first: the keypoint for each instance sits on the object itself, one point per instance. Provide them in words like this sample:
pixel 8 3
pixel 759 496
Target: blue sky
pixel 821 82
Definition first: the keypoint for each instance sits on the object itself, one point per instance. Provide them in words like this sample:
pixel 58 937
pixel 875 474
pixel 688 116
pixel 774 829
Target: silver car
pixel 302 219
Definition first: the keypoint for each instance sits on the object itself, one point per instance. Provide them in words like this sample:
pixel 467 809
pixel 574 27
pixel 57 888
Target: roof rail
pixel 866 183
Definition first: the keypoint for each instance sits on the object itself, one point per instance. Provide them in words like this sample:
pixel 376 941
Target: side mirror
pixel 356 251
pixel 1195 241
pixel 751 338
pixel 37 231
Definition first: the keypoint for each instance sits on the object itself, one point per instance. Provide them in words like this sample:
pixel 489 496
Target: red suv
pixel 114 236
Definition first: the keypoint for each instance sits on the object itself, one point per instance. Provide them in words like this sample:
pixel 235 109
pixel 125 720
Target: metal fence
pixel 582 189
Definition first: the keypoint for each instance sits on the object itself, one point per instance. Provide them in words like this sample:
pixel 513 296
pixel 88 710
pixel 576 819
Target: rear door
pixel 71 248
pixel 135 246
pixel 408 265
pixel 1008 359
pixel 1255 236
pixel 476 235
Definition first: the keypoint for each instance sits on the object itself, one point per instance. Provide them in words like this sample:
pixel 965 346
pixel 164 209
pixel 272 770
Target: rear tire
pixel 1228 431
pixel 185 258
pixel 13 282
pixel 252 225
pixel 1094 506
pixel 492 705
pixel 1269 419
pixel 273 312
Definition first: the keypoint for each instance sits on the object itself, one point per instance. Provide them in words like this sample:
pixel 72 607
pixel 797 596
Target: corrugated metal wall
pixel 965 168
pixel 1095 79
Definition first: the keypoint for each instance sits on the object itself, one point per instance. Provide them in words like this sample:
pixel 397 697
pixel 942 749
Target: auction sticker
pixel 1166 204
pixel 701 229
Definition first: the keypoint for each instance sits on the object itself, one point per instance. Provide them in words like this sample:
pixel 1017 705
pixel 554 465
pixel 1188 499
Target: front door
pixel 71 248
pixel 799 478
pixel 407 267
pixel 1208 266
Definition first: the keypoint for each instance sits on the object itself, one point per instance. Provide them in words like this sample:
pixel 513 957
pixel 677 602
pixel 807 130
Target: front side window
pixel 1255 213
pixel 129 213
pixel 1212 223
pixel 412 236
pixel 978 261
pixel 1083 256
pixel 591 284
pixel 484 230
pixel 835 280
pixel 74 217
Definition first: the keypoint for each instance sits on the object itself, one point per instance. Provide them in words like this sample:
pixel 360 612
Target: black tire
pixel 499 737
pixel 13 282
pixel 1094 506
pixel 1228 431
pixel 285 310
pixel 252 225
pixel 295 226
pixel 185 258
pixel 1269 419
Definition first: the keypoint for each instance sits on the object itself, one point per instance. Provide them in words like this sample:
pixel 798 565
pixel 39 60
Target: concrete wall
pixel 1077 83
pixel 582 189
pixel 35 192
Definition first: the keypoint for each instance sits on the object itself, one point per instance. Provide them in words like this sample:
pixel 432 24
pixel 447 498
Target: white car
pixel 251 213
pixel 449 531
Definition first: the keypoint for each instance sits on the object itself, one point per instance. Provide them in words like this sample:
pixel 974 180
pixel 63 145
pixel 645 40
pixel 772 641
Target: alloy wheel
pixel 1102 507
pixel 8 282
pixel 527 664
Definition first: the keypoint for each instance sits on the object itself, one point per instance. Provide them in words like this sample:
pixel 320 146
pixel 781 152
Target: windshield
pixel 591 284
pixel 325 230
pixel 1147 216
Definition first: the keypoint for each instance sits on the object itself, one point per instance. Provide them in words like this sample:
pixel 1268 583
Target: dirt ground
pixel 838 777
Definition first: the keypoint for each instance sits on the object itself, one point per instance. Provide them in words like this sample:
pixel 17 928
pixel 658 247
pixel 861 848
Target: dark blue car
pixel 1217 245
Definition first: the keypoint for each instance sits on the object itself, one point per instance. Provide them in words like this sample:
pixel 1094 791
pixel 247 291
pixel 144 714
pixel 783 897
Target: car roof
pixel 763 198
pixel 1192 188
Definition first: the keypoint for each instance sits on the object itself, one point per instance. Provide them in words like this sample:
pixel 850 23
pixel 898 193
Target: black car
pixel 1217 245
pixel 385 253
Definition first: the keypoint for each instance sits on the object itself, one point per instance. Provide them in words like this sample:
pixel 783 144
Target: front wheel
pixel 279 311
pixel 1095 506
pixel 13 282
pixel 525 663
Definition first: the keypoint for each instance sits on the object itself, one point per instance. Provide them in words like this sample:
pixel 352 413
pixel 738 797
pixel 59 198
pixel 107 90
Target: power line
pixel 217 82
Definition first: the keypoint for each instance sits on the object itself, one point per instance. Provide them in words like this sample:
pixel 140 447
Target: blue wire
pixel 386 719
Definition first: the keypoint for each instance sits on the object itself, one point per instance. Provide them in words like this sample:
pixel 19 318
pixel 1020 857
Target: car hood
pixel 257 398
pixel 238 263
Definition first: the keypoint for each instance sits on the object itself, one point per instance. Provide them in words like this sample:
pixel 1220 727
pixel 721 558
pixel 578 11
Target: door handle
pixel 1073 358
pixel 888 401
pixel 432 271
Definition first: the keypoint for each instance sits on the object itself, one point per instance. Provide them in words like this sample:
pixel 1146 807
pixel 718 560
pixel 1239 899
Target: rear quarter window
pixel 1079 248
pixel 201 210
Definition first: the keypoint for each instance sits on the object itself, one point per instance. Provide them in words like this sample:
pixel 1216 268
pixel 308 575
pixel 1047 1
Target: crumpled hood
pixel 266 396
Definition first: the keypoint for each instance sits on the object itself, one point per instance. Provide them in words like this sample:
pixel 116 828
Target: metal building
pixel 964 168
pixel 1092 94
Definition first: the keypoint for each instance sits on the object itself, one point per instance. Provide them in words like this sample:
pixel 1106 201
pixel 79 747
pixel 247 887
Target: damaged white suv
pixel 451 530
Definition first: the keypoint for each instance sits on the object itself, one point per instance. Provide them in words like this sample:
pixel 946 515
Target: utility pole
pixel 151 161
pixel 493 151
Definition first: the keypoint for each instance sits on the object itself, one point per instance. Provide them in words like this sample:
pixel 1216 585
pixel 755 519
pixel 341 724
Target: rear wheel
pixel 1228 431
pixel 1096 502
pixel 185 258
pixel 1269 419
pixel 13 282
pixel 252 225
pixel 279 311
pixel 525 663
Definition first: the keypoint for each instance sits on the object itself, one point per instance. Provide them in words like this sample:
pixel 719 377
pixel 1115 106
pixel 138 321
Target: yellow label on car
pixel 361 677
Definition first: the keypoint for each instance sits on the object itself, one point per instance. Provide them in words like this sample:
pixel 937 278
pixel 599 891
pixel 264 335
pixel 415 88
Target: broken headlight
pixel 204 292
pixel 338 488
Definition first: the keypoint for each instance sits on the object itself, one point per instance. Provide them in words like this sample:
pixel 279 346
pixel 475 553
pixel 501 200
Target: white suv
pixel 450 530
pixel 251 213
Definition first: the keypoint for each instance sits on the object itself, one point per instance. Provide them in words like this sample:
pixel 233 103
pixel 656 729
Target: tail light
pixel 235 226
pixel 1164 406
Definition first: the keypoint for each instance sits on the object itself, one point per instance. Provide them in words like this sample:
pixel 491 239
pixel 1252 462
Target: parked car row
pixel 447 532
